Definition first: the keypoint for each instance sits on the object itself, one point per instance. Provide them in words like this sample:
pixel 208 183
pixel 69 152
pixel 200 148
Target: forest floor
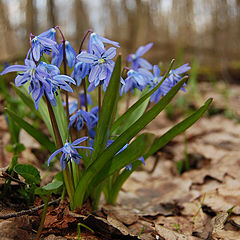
pixel 156 202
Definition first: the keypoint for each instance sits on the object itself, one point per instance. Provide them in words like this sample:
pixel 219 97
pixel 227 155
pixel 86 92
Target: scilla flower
pixel 69 152
pixel 70 55
pixel 136 79
pixel 96 40
pixel 44 42
pixel 102 66
pixel 137 60
pixel 43 78
pixel 81 70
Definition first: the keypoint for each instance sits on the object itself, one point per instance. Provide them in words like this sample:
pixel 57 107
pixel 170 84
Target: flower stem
pixel 42 218
pixel 99 98
pixel 84 38
pixel 64 68
pixel 54 124
pixel 69 186
pixel 85 94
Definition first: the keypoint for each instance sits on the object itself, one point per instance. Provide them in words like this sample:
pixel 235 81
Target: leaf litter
pixel 156 202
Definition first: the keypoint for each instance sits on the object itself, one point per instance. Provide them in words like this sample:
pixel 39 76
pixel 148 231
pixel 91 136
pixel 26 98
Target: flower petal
pixel 144 63
pixel 110 53
pixel 86 57
pixel 53 155
pixel 143 49
pixel 15 68
pixel 79 140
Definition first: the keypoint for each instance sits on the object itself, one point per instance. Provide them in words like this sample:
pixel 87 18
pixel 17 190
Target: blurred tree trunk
pixel 81 20
pixel 51 17
pixel 31 26
pixel 7 41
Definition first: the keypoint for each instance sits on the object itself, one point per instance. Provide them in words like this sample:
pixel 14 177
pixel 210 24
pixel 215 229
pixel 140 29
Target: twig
pixel 8 176
pixel 29 211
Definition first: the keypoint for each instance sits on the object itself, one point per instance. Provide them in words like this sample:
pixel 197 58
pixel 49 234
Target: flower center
pixel 155 80
pixel 101 61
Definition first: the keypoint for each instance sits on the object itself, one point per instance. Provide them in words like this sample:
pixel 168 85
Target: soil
pixel 158 201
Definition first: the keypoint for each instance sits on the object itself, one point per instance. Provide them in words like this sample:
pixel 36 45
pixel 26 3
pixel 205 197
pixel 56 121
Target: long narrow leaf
pixel 35 133
pixel 117 123
pixel 159 143
pixel 135 150
pixel 108 109
pixel 42 110
pixel 124 138
pixel 61 117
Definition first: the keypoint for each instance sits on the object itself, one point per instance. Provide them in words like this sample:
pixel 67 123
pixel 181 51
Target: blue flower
pixel 129 166
pixel 51 80
pixel 81 70
pixel 57 57
pixel 137 60
pixel 174 75
pixel 168 83
pixel 45 42
pixel 77 120
pixel 136 79
pixel 42 78
pixel 69 152
pixel 102 66
pixel 96 41
pixel 89 118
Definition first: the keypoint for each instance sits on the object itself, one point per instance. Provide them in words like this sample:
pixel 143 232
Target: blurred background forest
pixel 206 30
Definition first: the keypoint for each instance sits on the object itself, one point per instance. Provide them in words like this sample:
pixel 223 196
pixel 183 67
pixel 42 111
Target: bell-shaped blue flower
pixel 69 152
pixel 136 79
pixel 81 70
pixel 136 59
pixel 102 66
pixel 96 41
pixel 71 54
pixel 44 42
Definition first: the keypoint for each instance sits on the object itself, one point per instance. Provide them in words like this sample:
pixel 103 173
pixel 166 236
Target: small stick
pixel 29 211
pixel 8 176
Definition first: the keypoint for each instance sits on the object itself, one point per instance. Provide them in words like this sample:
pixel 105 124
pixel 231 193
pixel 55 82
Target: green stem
pixel 54 124
pixel 99 98
pixel 69 186
pixel 85 94
pixel 42 218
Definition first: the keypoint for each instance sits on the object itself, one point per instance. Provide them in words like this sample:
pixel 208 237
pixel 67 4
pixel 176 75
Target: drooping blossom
pixel 43 43
pixel 136 59
pixel 69 152
pixel 101 66
pixel 71 54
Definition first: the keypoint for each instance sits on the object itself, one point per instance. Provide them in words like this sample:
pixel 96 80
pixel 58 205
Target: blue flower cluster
pixel 69 152
pixel 43 78
pixel 97 63
pixel 139 76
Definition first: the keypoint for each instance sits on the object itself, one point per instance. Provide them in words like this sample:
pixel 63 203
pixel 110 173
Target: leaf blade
pixel 35 133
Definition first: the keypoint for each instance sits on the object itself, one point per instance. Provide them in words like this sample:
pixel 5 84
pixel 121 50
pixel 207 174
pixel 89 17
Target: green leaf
pixel 134 151
pixel 117 123
pixel 162 141
pixel 132 118
pixel 42 111
pixel 119 143
pixel 61 117
pixel 35 133
pixel 53 186
pixel 109 105
pixel 29 173
pixel 16 148
pixel 177 129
